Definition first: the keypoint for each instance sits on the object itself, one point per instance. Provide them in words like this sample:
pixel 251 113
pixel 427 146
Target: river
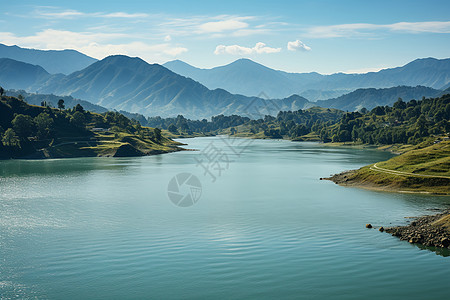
pixel 261 225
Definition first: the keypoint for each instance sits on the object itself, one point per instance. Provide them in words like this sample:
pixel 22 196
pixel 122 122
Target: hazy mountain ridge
pixel 372 97
pixel 250 78
pixel 17 75
pixel 53 61
pixel 130 84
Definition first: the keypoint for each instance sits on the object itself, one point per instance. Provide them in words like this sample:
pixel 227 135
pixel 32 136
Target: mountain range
pixel 371 97
pixel 131 84
pixel 249 78
pixel 53 61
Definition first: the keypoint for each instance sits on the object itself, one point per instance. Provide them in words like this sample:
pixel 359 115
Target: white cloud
pixel 66 14
pixel 416 27
pixel 55 13
pixel 98 45
pixel 297 45
pixel 366 29
pixel 260 48
pixel 221 26
pixel 215 27
pixel 167 38
pixel 124 15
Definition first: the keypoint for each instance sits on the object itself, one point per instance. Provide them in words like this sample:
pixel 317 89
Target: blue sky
pixel 296 36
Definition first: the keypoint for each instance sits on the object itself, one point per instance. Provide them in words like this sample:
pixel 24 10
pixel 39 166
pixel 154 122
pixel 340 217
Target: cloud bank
pixel 365 29
pixel 260 48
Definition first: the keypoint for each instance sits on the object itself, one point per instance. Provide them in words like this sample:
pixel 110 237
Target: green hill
pixel 31 131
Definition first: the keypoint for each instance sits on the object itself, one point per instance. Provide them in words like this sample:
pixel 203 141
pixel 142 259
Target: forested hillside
pixel 41 131
pixel 405 122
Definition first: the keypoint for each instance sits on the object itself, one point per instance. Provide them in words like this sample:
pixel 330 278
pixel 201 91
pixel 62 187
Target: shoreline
pixel 122 151
pixel 347 179
pixel 428 230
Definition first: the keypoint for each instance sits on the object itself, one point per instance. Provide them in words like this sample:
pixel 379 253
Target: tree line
pixel 25 128
pixel 405 122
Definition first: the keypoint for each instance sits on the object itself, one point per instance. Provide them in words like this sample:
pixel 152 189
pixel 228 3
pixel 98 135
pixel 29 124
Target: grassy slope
pixel 109 144
pixel 431 160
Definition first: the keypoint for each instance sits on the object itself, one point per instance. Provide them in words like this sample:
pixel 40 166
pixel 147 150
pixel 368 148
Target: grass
pixel 431 161
pixel 110 144
pixel 443 222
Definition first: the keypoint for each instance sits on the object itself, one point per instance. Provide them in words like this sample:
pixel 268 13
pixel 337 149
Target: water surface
pixel 104 228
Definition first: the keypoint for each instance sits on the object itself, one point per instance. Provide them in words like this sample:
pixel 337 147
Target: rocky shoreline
pixel 430 231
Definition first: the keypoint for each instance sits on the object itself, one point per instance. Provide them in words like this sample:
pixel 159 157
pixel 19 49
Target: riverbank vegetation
pixel 32 131
pixel 410 123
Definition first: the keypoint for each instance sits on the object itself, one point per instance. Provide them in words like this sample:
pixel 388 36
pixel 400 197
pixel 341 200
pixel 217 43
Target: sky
pixel 325 36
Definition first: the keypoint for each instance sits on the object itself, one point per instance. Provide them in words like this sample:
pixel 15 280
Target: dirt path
pixel 393 172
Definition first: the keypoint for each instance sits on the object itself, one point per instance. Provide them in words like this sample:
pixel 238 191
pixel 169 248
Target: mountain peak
pixel 121 57
pixel 54 61
pixel 245 62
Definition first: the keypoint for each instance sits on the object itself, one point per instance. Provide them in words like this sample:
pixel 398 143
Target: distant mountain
pixel 250 78
pixel 370 98
pixel 18 75
pixel 130 84
pixel 53 61
pixel 243 76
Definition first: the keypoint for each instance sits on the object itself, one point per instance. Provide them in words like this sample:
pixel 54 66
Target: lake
pixel 263 226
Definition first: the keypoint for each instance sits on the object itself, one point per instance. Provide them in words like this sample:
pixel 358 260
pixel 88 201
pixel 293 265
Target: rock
pixel 381 229
pixel 369 225
pixel 426 230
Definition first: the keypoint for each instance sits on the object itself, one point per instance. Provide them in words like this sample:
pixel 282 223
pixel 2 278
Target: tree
pixel 23 126
pixel 399 104
pixel 78 119
pixel 10 138
pixel 421 125
pixel 2 91
pixel 157 133
pixel 79 108
pixel 44 125
pixel 61 104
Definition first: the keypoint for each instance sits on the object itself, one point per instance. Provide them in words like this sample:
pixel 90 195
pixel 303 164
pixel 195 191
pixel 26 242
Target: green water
pixel 104 228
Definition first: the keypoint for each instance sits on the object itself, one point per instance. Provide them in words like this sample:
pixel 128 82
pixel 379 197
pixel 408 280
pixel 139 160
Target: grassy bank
pixel 106 144
pixel 422 169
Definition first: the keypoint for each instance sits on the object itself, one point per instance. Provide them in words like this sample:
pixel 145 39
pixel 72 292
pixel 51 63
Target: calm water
pixel 101 228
